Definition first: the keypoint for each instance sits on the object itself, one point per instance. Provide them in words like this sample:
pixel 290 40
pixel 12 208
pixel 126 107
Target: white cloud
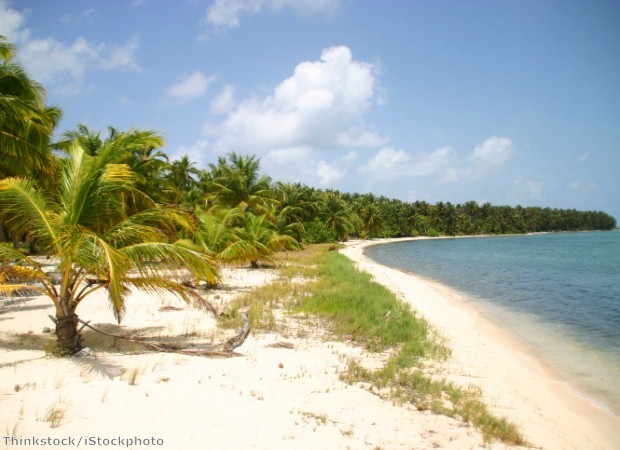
pixel 443 164
pixel 389 163
pixel 121 56
pixel 197 152
pixel 356 137
pixel 489 157
pixel 328 174
pixel 63 66
pixel 321 106
pixel 191 87
pixel 224 102
pixel 11 23
pixel 302 164
pixel 225 13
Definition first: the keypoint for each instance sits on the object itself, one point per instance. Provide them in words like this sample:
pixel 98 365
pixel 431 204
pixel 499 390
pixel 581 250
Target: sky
pixel 513 102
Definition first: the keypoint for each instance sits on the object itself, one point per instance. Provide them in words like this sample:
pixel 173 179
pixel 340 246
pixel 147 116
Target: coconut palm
pixel 336 215
pixel 98 244
pixel 181 179
pixel 149 166
pixel 237 183
pixel 26 124
pixel 215 227
pixel 256 241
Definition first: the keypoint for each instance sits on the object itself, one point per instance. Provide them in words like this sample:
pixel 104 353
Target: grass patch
pixel 357 308
pixel 367 312
pixel 56 412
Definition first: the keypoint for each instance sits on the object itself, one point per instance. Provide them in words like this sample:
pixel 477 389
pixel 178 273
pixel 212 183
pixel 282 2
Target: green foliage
pixel 318 233
pixel 360 309
pixel 86 225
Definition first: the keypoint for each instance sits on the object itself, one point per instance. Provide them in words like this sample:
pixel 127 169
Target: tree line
pixel 116 212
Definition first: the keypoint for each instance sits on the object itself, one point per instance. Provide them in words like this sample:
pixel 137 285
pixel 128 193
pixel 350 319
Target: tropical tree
pixel 215 228
pixel 237 183
pixel 89 140
pixel 149 165
pixel 181 178
pixel 256 241
pixel 97 242
pixel 336 215
pixel 372 219
pixel 26 124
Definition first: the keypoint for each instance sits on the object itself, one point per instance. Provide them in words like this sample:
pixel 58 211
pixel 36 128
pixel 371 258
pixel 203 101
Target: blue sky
pixel 511 102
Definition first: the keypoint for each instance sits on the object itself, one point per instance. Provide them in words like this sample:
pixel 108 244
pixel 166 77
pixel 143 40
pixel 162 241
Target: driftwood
pixel 223 350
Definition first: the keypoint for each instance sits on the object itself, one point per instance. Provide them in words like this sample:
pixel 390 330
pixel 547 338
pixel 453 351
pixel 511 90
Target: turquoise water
pixel 559 293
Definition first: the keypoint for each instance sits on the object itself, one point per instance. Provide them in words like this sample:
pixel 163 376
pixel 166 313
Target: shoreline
pixel 515 383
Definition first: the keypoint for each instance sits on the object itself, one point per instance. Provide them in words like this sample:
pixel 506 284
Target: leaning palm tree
pixel 97 243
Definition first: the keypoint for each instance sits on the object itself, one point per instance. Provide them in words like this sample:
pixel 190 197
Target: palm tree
pixel 237 183
pixel 256 241
pixel 181 178
pixel 215 228
pixel 98 244
pixel 336 216
pixel 372 219
pixel 26 124
pixel 90 140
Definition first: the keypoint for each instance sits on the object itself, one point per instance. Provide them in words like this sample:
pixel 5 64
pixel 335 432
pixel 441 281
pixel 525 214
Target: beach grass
pixel 320 283
pixel 366 312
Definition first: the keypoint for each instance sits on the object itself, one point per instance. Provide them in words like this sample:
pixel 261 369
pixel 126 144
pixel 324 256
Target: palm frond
pixel 26 208
pixel 116 266
pixel 10 290
pixel 158 259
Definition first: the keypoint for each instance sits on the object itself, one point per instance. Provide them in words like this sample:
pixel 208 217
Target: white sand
pixel 190 402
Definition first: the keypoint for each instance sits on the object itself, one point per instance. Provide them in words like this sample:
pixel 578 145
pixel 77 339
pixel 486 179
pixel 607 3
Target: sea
pixel 558 293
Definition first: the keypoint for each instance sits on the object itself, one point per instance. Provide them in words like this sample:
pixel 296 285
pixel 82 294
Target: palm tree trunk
pixel 67 333
pixel 2 233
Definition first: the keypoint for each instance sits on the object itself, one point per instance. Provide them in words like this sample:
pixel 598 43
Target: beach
pixel 550 412
pixel 283 391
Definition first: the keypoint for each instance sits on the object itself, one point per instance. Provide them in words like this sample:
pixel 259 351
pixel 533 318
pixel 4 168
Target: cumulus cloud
pixel 224 14
pixel 11 23
pixel 443 164
pixel 489 157
pixel 389 163
pixel 302 164
pixel 224 102
pixel 321 106
pixel 63 66
pixel 189 88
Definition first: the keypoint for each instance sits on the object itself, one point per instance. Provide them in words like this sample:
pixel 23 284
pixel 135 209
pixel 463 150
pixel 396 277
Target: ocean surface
pixel 558 293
